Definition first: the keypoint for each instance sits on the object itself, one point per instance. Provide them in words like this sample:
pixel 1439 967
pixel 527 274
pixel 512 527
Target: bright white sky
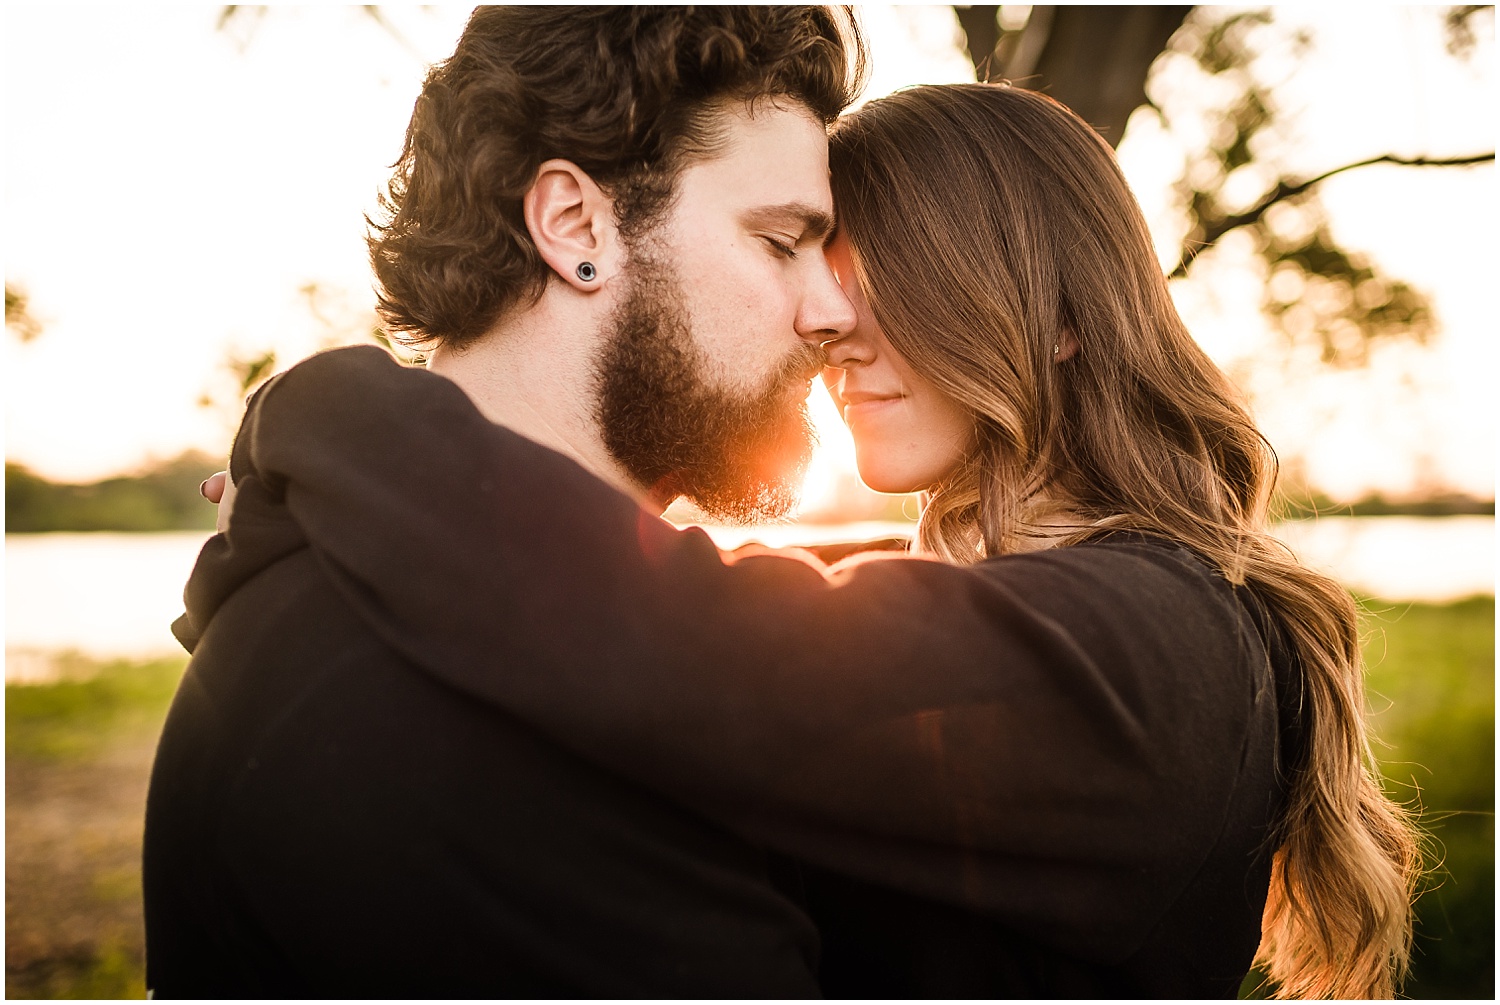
pixel 170 187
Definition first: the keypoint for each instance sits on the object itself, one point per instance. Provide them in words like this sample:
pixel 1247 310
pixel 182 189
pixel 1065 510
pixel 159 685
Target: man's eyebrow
pixel 815 223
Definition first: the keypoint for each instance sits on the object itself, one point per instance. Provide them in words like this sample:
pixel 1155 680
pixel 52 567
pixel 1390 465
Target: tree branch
pixel 1286 190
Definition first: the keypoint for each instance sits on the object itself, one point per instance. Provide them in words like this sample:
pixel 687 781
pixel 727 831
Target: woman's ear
pixel 1067 345
pixel 572 223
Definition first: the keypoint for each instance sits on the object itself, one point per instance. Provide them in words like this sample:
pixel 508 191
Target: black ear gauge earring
pixel 587 272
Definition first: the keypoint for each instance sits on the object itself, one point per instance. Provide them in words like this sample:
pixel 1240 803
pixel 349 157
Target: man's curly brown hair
pixel 629 94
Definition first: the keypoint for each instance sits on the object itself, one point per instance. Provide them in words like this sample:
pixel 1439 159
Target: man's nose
pixel 826 310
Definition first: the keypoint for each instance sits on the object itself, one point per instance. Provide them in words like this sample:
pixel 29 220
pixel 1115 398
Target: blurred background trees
pixel 18 318
pixel 163 496
pixel 1102 62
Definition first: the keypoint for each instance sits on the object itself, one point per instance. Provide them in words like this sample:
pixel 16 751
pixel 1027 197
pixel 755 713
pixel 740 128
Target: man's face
pixel 703 383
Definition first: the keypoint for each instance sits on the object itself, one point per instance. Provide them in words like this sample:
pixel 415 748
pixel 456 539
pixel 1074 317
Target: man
pixel 608 224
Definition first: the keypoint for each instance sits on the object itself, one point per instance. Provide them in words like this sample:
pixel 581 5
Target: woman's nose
pixel 848 351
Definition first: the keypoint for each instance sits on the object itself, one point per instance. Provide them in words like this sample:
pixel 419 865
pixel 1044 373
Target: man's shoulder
pixel 345 364
pixel 344 398
pixel 341 381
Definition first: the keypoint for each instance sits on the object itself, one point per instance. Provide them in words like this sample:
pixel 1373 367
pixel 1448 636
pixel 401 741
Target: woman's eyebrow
pixel 811 222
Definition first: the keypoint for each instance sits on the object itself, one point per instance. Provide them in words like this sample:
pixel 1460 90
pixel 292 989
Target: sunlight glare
pixel 833 460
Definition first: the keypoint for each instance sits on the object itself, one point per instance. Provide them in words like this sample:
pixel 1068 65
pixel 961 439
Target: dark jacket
pixel 1047 774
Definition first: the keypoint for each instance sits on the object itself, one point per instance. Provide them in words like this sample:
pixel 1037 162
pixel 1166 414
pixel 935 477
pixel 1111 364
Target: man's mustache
pixel 804 364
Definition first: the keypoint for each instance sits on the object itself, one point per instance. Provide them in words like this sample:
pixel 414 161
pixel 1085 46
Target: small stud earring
pixel 587 272
pixel 1056 347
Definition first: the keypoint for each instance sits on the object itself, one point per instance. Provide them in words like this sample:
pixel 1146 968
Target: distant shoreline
pixel 165 498
pixel 1377 505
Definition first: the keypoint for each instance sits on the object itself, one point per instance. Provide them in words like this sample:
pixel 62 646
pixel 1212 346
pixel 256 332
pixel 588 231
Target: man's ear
pixel 572 223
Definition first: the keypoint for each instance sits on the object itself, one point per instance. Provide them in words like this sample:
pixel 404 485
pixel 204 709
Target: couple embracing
pixel 464 717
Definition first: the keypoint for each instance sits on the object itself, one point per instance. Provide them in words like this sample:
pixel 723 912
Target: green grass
pixel 94 706
pixel 1431 689
pixel 113 972
pixel 1430 686
pixel 77 756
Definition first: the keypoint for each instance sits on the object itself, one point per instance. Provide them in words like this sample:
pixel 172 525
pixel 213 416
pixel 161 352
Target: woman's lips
pixel 867 404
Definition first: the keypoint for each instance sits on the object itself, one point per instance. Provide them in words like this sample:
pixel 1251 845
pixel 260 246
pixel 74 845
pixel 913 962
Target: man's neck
pixel 534 375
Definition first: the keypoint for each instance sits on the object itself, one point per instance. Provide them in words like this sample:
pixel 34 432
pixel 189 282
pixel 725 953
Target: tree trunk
pixel 1092 59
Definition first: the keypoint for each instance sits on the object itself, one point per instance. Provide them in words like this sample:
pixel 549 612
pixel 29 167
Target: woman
pixel 1110 745
pixel 1057 399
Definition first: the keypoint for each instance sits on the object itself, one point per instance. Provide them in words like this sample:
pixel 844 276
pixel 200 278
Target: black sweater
pixel 439 672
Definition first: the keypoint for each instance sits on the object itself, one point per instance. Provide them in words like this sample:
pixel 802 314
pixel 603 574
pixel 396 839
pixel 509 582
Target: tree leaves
pixel 1317 293
pixel 19 320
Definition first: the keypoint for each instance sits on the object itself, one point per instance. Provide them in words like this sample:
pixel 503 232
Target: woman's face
pixel 908 435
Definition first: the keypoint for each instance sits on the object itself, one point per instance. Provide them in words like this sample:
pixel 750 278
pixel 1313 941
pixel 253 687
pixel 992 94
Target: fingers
pixel 212 488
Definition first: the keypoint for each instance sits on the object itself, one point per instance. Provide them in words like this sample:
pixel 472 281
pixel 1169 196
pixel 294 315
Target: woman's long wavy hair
pixel 990 225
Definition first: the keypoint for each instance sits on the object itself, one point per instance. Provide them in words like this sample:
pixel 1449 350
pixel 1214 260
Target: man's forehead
pixel 772 161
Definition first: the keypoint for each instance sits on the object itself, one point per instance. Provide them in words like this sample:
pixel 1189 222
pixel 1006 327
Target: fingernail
pixel 203 488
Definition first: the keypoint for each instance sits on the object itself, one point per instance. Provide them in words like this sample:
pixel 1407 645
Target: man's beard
pixel 738 457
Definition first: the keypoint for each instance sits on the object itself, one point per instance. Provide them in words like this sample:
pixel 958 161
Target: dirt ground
pixel 73 926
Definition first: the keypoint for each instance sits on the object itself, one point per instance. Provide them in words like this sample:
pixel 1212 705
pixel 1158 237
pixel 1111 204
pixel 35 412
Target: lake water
pixel 114 595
